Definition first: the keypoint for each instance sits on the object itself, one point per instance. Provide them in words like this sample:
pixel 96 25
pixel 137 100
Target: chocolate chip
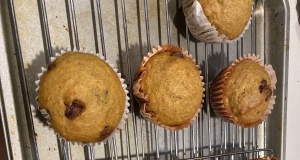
pixel 73 110
pixel 268 92
pixel 177 54
pixel 263 84
pixel 105 132
pixel 263 88
pixel 51 66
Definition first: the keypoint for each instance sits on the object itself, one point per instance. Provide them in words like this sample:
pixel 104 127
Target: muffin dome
pixel 243 92
pixel 83 96
pixel 217 21
pixel 230 17
pixel 169 88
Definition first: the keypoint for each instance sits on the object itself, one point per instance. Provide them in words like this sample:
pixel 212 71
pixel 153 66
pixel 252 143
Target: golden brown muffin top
pixel 83 96
pixel 174 88
pixel 247 91
pixel 230 17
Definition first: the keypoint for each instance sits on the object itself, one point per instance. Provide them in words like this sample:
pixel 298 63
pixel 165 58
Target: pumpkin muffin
pixel 169 88
pixel 243 92
pixel 82 97
pixel 217 20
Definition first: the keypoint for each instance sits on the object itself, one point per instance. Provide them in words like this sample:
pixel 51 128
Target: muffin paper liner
pixel 217 92
pixel 201 28
pixel 124 86
pixel 143 99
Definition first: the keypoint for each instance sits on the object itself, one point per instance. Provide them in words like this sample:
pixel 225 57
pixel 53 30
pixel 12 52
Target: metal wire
pixel 156 141
pixel 94 25
pixel 142 121
pixel 233 140
pixel 225 137
pixel 207 97
pixel 193 139
pixel 101 29
pixel 168 21
pixel 115 148
pixel 92 152
pixel 253 43
pixel 46 34
pixel 64 149
pixel 23 82
pixel 127 140
pixel 183 143
pixel 74 24
pixel 238 49
pixel 130 80
pixel 3 119
pixel 176 144
pixel 111 147
pixel 235 153
pixel 147 24
pixel 197 136
pixel 198 118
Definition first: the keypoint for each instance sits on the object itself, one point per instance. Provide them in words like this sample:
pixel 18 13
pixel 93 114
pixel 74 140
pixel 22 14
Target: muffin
pixel 82 97
pixel 242 93
pixel 169 87
pixel 215 21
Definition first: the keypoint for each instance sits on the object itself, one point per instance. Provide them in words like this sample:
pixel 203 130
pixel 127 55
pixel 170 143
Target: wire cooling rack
pixel 208 137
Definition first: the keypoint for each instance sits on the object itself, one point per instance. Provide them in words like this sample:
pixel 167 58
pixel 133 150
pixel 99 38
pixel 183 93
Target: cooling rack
pixel 108 26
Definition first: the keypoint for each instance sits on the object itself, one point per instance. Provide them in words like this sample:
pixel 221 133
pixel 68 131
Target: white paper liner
pixel 217 92
pixel 201 28
pixel 124 86
pixel 143 99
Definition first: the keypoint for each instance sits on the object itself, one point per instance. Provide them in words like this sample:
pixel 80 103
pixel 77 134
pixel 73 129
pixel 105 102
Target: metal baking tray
pixel 124 31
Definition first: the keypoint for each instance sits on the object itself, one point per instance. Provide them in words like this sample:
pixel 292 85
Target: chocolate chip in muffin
pixel 73 110
pixel 51 66
pixel 263 88
pixel 263 85
pixel 105 132
pixel 268 92
pixel 177 54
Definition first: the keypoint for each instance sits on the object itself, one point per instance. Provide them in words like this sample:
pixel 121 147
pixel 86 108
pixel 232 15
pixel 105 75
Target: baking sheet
pixel 270 41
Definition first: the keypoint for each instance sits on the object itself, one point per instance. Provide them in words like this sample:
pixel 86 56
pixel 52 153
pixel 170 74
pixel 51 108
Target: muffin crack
pixel 177 54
